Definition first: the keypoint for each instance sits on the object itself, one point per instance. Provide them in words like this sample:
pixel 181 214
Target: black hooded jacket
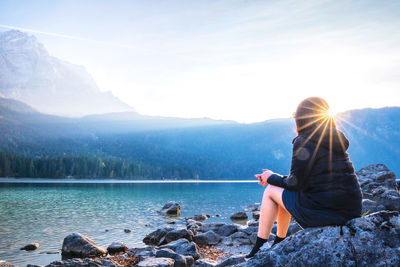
pixel 323 177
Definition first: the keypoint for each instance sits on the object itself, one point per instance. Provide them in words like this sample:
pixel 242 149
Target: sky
pixel 246 61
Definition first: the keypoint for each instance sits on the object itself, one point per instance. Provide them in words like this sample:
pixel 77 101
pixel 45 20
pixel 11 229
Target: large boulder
pixel 142 253
pixel 207 238
pixel 157 237
pixel 178 234
pixel 171 208
pixel 227 230
pixel 372 240
pixel 77 245
pixel 84 263
pixel 184 247
pixel 179 260
pixel 379 186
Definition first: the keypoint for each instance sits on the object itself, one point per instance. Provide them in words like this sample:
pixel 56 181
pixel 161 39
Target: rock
pixel 227 230
pixel 201 217
pixel 239 216
pixel 232 261
pixel 31 246
pixel 6 264
pixel 117 247
pixel 171 209
pixel 178 234
pixel 205 227
pixel 217 215
pixel 372 240
pixel 249 230
pixel 253 207
pixel 205 263
pixel 156 262
pixel 379 185
pixel 252 223
pixel 192 225
pixel 179 260
pixel 77 245
pixel 256 215
pixel 127 231
pixel 293 228
pixel 184 247
pixel 171 222
pixel 208 238
pixel 240 238
pixel 142 253
pixel 157 237
pixel 31 265
pixel 189 260
pixel 83 263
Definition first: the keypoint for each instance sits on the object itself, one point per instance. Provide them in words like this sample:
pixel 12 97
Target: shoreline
pixel 111 181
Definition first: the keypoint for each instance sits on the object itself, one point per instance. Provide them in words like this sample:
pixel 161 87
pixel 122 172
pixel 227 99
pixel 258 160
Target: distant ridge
pixel 29 74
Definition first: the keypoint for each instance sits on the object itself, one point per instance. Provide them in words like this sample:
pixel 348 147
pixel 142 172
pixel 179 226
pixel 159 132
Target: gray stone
pixel 117 247
pixel 372 240
pixel 184 247
pixel 252 223
pixel 239 216
pixel 232 261
pixel 205 263
pixel 178 234
pixel 171 209
pixel 227 230
pixel 205 227
pixel 201 217
pixel 142 253
pixel 31 246
pixel 256 215
pixel 156 262
pixel 253 207
pixel 179 260
pixel 83 263
pixel 157 237
pixel 77 245
pixel 207 238
pixel 378 184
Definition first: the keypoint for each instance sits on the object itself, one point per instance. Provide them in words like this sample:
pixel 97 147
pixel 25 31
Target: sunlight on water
pixel 46 213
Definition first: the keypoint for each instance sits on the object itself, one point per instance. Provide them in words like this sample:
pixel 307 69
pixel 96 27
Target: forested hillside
pixel 183 148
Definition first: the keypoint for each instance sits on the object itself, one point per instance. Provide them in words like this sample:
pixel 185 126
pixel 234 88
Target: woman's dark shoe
pixel 259 242
pixel 277 240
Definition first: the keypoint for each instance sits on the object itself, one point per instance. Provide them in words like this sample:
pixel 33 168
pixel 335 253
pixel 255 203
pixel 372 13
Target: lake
pixel 45 211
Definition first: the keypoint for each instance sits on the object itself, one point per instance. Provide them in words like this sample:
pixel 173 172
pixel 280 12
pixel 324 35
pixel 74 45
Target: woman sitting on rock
pixel 321 189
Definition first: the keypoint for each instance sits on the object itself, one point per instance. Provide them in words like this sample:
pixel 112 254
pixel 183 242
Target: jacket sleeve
pixel 297 180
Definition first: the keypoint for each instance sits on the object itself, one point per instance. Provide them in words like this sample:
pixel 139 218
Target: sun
pixel 331 113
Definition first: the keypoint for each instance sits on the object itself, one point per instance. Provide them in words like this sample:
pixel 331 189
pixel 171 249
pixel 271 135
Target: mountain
pixel 212 150
pixel 29 74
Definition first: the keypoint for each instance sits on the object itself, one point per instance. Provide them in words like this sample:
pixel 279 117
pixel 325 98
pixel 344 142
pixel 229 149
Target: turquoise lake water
pixel 47 212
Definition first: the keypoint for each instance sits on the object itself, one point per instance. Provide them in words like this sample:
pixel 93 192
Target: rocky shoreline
pixel 373 239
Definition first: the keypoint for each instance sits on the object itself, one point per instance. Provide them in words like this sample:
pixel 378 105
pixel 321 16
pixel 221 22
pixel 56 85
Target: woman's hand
pixel 263 177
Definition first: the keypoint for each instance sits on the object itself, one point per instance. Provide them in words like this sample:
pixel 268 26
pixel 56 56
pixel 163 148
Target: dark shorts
pixel 309 217
pixel 289 200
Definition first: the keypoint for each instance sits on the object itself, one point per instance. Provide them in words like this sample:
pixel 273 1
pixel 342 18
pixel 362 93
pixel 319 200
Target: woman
pixel 321 189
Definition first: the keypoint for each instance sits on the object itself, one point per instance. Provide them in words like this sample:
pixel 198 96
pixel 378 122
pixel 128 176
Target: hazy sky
pixel 242 60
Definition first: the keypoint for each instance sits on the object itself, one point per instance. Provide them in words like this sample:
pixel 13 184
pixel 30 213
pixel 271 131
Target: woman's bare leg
pixel 283 222
pixel 272 208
